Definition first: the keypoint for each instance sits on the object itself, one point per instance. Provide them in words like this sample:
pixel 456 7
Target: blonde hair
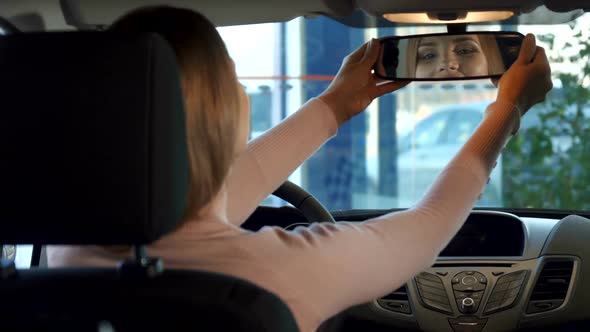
pixel 411 56
pixel 210 88
pixel 490 48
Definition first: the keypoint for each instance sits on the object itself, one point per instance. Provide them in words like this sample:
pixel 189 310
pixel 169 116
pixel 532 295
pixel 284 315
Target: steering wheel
pixel 311 208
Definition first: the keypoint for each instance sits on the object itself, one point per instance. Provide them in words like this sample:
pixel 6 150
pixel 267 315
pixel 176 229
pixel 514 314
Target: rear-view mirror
pixel 446 56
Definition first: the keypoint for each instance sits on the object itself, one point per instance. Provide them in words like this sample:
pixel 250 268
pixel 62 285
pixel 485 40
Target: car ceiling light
pixel 448 17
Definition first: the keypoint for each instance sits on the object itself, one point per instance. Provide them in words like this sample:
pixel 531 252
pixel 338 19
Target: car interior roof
pixel 48 15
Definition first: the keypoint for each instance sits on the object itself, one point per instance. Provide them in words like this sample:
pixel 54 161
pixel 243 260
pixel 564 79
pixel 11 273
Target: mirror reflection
pixel 444 56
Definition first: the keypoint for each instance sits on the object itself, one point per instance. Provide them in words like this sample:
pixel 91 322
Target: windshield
pixel 388 156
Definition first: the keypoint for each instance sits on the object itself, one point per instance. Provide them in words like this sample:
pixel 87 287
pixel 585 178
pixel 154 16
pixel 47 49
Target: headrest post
pixel 141 266
pixel 140 253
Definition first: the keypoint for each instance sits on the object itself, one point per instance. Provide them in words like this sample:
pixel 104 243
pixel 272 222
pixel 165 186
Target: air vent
pixel 551 287
pixel 396 301
pixel 400 294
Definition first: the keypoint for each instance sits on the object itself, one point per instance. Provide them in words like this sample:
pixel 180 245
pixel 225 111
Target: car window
pixel 283 65
pixel 429 131
pixel 462 124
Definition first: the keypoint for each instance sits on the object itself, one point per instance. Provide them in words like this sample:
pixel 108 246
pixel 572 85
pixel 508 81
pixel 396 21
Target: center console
pixel 471 294
pixel 482 280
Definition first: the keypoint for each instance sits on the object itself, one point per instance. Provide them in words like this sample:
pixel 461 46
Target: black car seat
pixel 93 152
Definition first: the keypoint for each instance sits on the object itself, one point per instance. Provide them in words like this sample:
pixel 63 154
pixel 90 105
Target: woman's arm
pixel 335 266
pixel 271 158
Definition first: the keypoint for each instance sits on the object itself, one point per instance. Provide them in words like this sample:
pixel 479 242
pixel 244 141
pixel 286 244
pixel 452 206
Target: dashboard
pixel 488 234
pixel 499 273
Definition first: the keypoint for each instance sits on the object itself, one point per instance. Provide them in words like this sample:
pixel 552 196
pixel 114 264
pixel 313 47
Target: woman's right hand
pixel 528 80
pixel 355 86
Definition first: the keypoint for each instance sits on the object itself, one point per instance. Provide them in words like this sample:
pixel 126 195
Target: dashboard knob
pixel 469 280
pixel 468 305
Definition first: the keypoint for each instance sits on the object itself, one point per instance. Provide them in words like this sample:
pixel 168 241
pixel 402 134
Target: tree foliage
pixel 547 165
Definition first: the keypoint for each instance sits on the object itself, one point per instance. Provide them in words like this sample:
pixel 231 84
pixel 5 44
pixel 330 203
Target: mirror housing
pixel 447 56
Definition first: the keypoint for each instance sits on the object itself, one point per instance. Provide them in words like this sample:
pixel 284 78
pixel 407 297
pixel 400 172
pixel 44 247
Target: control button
pixel 444 274
pixel 501 287
pixel 512 292
pixel 428 283
pixel 467 323
pixel 434 297
pixel 467 306
pixel 467 288
pixel 461 295
pixel 469 280
pixel 446 308
pixel 429 277
pixel 479 287
pixel 507 302
pixel 496 296
pixel 506 291
pixel 436 291
pixel 477 295
pixel 512 277
pixel 433 293
pixel 503 295
pixel 497 273
pixel 492 306
pixel 473 295
pixel 467 303
pixel 515 283
pixel 499 305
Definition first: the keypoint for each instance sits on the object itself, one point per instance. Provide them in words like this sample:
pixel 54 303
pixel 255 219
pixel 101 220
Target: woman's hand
pixel 528 80
pixel 355 87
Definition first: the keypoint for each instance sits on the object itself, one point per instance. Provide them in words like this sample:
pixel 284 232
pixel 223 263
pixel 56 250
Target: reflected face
pixel 450 56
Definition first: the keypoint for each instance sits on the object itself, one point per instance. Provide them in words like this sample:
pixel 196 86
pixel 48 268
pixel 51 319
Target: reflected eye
pixel 465 50
pixel 426 56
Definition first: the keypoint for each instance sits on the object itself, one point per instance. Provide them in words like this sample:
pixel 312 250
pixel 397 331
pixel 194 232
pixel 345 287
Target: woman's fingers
pixel 371 52
pixel 357 55
pixel 527 49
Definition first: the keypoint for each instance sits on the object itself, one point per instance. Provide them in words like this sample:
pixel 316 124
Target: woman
pixel 315 270
pixel 453 56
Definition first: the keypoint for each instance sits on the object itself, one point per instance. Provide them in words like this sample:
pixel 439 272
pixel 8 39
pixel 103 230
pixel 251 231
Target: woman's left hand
pixel 355 87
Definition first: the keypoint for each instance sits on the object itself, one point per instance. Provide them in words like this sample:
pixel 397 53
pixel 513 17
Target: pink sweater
pixel 325 268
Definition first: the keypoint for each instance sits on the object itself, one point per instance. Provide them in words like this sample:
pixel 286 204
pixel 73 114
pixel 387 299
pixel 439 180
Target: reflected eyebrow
pixel 456 40
pixel 427 44
pixel 461 39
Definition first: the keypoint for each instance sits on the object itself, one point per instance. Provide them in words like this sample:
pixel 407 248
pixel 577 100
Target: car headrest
pixel 92 139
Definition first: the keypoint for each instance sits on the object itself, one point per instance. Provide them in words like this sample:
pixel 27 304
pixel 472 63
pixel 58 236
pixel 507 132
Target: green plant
pixel 547 165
